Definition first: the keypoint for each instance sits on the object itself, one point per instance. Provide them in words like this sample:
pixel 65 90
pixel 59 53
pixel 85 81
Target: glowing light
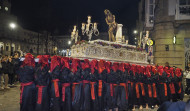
pixel 12 25
pixel 69 42
pixel 135 32
pixel 174 40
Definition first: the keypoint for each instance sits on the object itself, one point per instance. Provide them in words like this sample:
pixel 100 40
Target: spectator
pixel 1 75
pixel 187 76
pixel 173 106
pixel 167 65
pixel 11 71
pixel 16 65
pixel 5 70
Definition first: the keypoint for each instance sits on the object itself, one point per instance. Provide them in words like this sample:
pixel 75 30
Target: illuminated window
pixel 0 7
pixel 6 8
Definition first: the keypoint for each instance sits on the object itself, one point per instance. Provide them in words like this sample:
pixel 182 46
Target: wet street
pixel 9 100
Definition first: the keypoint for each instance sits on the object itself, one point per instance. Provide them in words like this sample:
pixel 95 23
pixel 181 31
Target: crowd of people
pixel 67 84
pixel 187 77
pixel 9 67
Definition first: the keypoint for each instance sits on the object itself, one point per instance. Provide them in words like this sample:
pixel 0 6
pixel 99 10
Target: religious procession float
pixel 99 76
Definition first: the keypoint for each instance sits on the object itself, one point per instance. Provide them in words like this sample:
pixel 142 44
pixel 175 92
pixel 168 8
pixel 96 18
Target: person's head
pixel 16 55
pixel 166 64
pixel 187 69
pixel 5 58
pixel 10 59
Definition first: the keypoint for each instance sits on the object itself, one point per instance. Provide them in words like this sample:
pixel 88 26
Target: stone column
pixel 119 33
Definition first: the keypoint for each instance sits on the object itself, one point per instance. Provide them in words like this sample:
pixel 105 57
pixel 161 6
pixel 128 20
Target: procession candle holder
pixel 90 28
pixel 74 34
pixel 96 32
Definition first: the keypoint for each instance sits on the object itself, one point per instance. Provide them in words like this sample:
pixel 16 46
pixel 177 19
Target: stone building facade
pixel 15 38
pixel 170 31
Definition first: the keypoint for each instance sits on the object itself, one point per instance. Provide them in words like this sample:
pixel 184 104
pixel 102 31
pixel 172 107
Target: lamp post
pixel 174 40
pixel 135 32
pixel 89 28
pixel 69 42
pixel 12 26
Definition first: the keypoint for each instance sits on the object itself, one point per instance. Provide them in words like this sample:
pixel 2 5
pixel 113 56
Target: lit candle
pixel 75 28
pixel 95 26
pixel 87 27
pixel 72 35
pixel 126 42
pixel 89 20
pixel 77 33
pixel 83 26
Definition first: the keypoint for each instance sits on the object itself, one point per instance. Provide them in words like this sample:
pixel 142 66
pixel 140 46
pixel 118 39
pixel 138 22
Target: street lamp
pixel 135 32
pixel 12 26
pixel 174 40
pixel 69 42
pixel 89 28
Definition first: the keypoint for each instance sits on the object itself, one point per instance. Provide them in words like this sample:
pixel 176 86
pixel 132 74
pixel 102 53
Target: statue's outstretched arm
pixel 107 21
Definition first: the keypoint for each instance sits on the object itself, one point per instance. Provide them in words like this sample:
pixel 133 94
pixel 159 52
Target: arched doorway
pixel 187 58
pixel 187 52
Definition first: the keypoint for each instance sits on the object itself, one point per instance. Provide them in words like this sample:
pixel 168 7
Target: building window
pixel 184 7
pixel 6 9
pixel 151 1
pixel 184 2
pixel 151 10
pixel 7 48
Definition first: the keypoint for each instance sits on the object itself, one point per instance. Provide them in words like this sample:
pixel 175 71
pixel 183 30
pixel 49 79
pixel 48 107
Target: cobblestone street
pixel 9 100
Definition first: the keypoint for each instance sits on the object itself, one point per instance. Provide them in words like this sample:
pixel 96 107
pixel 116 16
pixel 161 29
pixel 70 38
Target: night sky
pixel 59 16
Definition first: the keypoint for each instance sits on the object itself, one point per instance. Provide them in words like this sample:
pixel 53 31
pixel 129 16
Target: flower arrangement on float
pixel 81 42
pixel 114 45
